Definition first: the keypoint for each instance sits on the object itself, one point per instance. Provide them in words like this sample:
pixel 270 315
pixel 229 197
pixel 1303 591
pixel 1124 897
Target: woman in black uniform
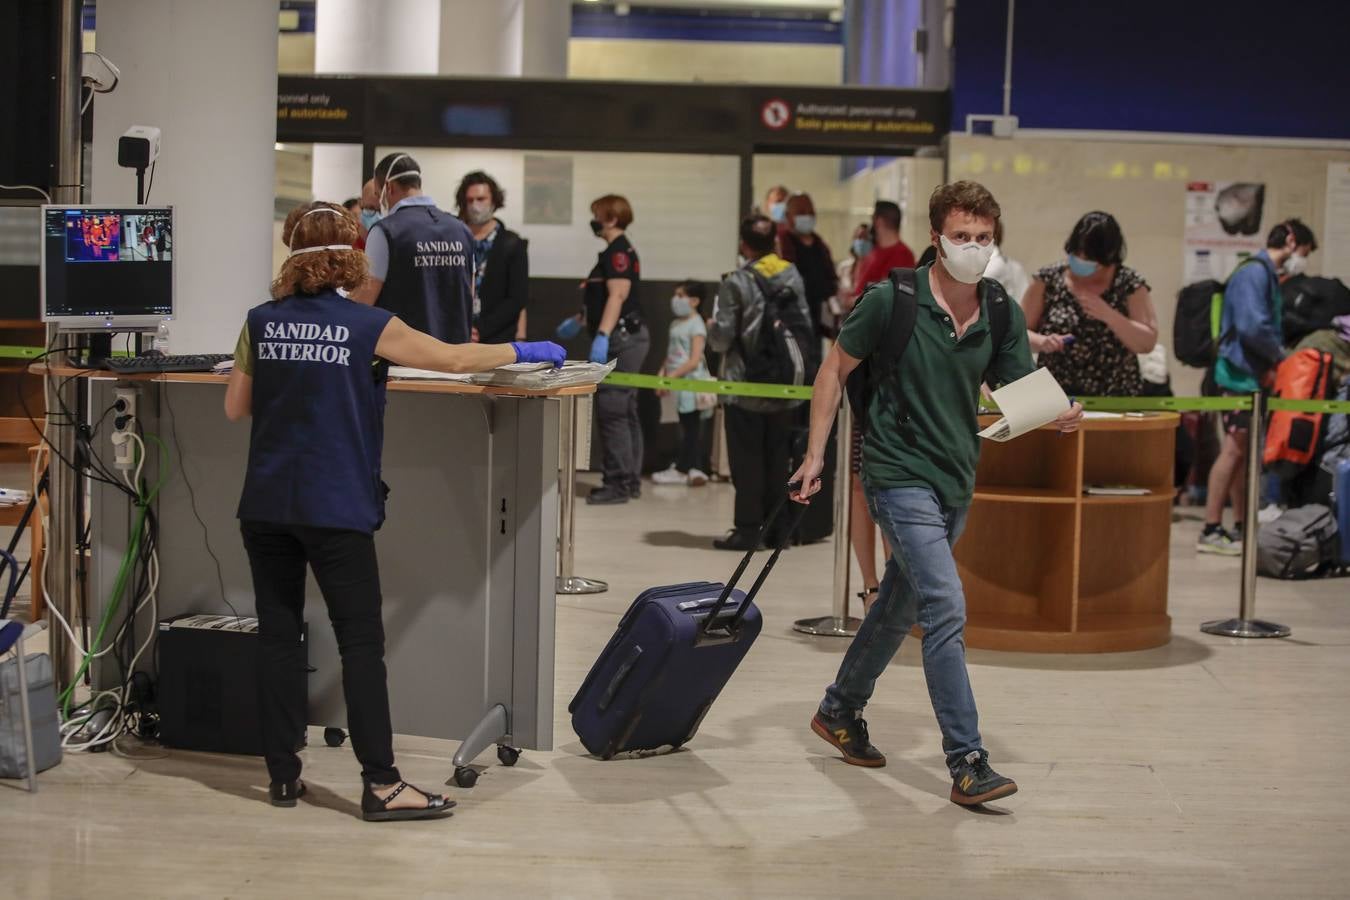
pixel 306 370
pixel 614 318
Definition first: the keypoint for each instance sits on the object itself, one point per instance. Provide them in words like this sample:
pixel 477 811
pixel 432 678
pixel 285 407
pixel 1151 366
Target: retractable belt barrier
pixel 1096 404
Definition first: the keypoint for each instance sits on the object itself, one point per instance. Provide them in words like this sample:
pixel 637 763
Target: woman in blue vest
pixel 308 369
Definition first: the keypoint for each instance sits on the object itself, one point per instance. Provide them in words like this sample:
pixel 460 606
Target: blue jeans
pixel 920 586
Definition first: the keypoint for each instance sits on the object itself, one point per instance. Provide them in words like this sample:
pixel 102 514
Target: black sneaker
pixel 739 539
pixel 848 734
pixel 973 782
pixel 607 495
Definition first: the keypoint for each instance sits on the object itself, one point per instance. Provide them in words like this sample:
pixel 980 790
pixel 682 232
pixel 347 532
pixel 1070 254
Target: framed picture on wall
pixel 548 190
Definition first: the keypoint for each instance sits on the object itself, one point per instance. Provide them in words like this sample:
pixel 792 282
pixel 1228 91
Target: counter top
pixel 407 385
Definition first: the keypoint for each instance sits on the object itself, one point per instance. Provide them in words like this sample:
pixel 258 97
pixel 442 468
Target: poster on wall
pixel 1335 235
pixel 548 190
pixel 1224 225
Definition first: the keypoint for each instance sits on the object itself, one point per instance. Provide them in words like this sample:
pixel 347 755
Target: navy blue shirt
pixel 617 260
pixel 429 281
pixel 318 414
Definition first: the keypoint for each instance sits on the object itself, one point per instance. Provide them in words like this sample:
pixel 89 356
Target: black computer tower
pixel 208 692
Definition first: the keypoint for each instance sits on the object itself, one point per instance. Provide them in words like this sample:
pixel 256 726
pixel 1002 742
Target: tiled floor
pixel 1208 767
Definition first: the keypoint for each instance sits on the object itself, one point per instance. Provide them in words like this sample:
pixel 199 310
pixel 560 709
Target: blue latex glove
pixel 568 328
pixel 540 352
pixel 600 349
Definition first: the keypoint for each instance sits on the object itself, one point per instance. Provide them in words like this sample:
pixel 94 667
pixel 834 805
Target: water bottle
pixel 160 345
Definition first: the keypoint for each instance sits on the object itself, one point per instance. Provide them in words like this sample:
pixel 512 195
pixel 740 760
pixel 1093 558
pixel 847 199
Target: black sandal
pixel 867 592
pixel 285 793
pixel 375 809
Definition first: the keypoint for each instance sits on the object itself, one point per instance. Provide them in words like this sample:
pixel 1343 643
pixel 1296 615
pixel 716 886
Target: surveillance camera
pixel 138 147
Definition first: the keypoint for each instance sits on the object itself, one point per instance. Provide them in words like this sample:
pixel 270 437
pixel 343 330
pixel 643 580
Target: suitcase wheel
pixel 466 777
pixel 508 756
pixel 334 737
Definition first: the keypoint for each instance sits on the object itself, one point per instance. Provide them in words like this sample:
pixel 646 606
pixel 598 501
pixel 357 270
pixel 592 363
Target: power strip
pixel 124 425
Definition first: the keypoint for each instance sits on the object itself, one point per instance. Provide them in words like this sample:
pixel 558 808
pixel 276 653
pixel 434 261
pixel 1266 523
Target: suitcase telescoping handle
pixel 768 566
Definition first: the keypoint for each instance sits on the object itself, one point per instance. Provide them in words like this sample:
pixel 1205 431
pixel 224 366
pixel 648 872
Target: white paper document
pixel 1027 404
pixel 427 375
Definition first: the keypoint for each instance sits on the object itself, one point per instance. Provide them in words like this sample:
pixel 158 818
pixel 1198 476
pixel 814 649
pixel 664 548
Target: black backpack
pixel 786 350
pixel 864 380
pixel 1195 329
pixel 1310 303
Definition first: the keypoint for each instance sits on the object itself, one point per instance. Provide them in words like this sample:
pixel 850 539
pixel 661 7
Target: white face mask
pixel 478 212
pixel 1296 264
pixel 965 262
pixel 384 188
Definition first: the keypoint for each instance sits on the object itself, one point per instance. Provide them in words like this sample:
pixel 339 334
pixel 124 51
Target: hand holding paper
pixel 1027 404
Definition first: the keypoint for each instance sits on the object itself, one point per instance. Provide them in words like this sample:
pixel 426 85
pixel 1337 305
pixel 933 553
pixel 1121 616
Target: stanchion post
pixel 839 623
pixel 566 582
pixel 1246 625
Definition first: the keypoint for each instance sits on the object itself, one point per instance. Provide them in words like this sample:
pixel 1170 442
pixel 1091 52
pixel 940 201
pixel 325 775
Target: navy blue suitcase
pixel 673 652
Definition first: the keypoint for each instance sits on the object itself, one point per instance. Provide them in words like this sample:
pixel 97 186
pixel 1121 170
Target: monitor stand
pixel 99 349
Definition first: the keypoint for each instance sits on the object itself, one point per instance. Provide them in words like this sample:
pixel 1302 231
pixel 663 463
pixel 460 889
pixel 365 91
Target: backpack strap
pixel 1000 323
pixel 904 316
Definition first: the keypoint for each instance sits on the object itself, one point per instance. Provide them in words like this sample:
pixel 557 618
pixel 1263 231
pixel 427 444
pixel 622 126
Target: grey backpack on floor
pixel 1301 543
pixel 42 709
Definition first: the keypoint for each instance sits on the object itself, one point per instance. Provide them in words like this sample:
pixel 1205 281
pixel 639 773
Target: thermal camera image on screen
pixel 93 236
pixel 146 237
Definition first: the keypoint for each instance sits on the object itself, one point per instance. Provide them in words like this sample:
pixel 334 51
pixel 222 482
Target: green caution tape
pixel 697 386
pixel 1096 404
pixel 12 352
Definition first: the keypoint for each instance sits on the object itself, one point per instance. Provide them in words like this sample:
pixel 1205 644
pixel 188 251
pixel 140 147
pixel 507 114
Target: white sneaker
pixel 669 476
pixel 1219 542
pixel 697 478
pixel 1269 513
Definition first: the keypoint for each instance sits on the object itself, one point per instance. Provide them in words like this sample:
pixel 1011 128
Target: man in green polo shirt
pixel 919 455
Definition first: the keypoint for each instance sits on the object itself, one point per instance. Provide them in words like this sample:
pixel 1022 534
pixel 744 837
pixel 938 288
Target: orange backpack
pixel 1292 437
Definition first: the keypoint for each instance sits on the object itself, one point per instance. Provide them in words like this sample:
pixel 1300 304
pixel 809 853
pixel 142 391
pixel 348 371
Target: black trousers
pixel 691 443
pixel 349 577
pixel 759 448
pixel 616 414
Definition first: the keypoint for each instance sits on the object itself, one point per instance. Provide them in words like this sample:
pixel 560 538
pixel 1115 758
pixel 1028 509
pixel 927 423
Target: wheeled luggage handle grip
pixel 768 566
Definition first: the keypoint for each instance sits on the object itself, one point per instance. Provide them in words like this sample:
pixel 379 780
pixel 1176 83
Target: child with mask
pixel 684 359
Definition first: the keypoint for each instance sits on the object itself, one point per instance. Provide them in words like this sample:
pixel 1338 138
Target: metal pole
pixel 566 582
pixel 1246 625
pixel 64 483
pixel 1007 62
pixel 839 624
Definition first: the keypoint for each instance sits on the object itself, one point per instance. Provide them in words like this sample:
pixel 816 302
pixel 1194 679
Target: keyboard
pixel 149 365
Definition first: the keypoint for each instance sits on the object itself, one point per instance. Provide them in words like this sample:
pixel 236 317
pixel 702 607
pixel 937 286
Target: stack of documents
pixel 1027 404
pixel 224 367
pixel 542 376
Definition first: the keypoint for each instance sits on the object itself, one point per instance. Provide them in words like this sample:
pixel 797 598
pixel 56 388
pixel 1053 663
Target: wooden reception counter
pixel 1048 567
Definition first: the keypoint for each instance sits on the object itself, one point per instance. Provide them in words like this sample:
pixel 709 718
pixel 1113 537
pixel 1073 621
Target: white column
pixel 392 37
pixel 205 73
pixel 505 38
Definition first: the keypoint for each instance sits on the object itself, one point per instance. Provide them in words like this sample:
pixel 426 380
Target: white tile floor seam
pixel 1193 770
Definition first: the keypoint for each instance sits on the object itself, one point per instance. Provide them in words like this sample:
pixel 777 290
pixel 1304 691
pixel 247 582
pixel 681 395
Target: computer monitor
pixel 107 268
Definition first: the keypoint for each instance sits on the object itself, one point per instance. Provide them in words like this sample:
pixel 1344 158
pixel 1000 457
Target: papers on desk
pixel 1027 404
pixel 542 376
pixel 224 367
pixel 427 375
pixel 528 376
pixel 1116 490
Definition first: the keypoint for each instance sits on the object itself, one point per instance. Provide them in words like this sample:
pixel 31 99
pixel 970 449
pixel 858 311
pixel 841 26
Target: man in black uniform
pixel 420 257
pixel 617 332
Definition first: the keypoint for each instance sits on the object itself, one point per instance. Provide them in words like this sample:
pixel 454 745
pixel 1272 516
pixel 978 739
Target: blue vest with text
pixel 318 414
pixel 430 277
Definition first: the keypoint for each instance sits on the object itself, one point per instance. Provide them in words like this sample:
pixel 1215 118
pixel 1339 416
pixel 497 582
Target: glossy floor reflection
pixel 1208 767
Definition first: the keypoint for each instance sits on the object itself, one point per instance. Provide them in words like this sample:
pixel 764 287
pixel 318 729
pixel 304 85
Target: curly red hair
pixel 311 273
